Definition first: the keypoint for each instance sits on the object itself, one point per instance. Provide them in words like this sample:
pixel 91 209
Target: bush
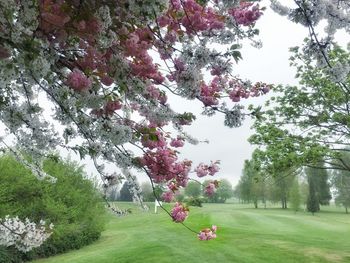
pixel 71 204
pixel 194 201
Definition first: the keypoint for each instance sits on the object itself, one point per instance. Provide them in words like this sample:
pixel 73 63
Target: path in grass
pixel 244 235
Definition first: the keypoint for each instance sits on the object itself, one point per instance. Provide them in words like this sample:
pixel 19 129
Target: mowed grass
pixel 245 234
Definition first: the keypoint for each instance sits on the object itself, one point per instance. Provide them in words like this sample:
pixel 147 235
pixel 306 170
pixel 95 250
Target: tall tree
pixel 319 179
pixel 125 193
pixel 251 185
pixel 341 183
pixel 294 195
pixel 313 204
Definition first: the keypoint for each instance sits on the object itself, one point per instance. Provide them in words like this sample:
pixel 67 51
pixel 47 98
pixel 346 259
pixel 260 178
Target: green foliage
pixel 71 204
pixel 313 204
pixel 147 192
pixel 193 189
pixel 251 186
pixel 223 192
pixel 341 183
pixel 299 126
pixel 180 196
pixel 319 178
pixel 294 195
pixel 194 201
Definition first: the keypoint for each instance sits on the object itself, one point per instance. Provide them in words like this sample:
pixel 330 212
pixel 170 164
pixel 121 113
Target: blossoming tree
pixel 107 67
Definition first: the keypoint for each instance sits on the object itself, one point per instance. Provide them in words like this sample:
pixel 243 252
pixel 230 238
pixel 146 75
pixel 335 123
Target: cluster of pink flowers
pixel 246 14
pixel 208 233
pixel 162 166
pixel 204 169
pixel 153 140
pixel 78 81
pixel 196 18
pixel 142 65
pixel 168 196
pixel 199 19
pixel 178 142
pixel 238 91
pixel 109 108
pixel 210 189
pixel 156 94
pixel 179 212
pixel 209 94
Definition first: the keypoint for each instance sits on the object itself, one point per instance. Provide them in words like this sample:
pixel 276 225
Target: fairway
pixel 244 235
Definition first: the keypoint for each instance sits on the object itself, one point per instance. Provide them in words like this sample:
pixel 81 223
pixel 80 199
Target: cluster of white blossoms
pixel 310 13
pixel 24 235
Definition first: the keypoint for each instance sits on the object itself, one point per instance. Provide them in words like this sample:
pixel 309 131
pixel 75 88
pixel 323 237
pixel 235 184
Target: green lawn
pixel 244 235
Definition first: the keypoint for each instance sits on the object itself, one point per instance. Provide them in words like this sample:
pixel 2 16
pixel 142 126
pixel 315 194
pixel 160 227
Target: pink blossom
pixel 112 106
pixel 178 142
pixel 207 233
pixel 153 140
pixel 245 14
pixel 107 80
pixel 78 81
pixel 172 186
pixel 210 189
pixel 201 170
pixel 168 196
pixel 179 212
pixel 213 168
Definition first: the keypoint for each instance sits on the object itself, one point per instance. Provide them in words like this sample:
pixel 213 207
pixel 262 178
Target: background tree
pixel 147 192
pixel 341 184
pixel 251 185
pixel 313 203
pixel 304 193
pixel 224 191
pixel 112 194
pixel 319 179
pixel 125 193
pixel 308 122
pixel 294 195
pixel 193 189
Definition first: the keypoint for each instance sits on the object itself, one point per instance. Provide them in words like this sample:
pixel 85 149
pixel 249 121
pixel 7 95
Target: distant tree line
pixel 295 187
pixel 193 191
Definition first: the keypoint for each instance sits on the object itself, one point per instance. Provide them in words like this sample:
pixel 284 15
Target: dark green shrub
pixel 194 201
pixel 71 204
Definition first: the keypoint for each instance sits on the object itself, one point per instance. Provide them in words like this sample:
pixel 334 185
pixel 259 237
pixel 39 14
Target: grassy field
pixel 244 235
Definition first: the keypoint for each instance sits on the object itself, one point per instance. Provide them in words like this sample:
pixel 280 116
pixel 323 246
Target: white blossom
pixel 24 235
